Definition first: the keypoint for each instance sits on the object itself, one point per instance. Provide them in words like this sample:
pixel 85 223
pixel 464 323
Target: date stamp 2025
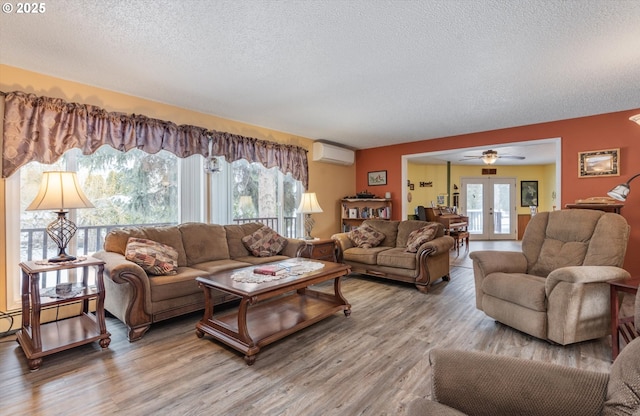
pixel 24 8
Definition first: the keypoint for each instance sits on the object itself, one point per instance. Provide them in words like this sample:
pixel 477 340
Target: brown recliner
pixel 482 384
pixel 555 289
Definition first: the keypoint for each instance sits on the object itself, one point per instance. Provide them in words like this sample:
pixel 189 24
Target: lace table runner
pixel 297 267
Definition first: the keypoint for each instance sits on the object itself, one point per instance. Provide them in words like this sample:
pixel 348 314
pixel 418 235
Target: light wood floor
pixel 371 363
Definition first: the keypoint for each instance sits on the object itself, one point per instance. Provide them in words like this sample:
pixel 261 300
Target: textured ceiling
pixel 362 73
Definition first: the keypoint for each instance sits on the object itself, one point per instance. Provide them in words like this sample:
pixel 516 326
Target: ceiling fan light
pixel 490 158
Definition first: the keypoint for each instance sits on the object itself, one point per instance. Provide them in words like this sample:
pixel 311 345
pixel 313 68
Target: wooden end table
pixel 621 325
pixel 39 340
pixel 269 311
pixel 320 249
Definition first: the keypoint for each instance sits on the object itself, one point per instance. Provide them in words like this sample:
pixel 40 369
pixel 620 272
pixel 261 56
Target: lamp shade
pixel 309 203
pixel 620 192
pixel 59 191
pixel 635 119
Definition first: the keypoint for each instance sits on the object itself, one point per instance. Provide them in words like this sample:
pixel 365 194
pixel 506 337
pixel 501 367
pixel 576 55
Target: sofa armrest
pixel 507 385
pixel 491 261
pixel 116 265
pixel 343 242
pixel 584 274
pixel 293 246
pixel 438 245
pixel 578 302
pixel 124 272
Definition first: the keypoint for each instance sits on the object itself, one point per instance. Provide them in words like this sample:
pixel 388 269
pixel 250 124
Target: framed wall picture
pixel 599 163
pixel 378 177
pixel 528 193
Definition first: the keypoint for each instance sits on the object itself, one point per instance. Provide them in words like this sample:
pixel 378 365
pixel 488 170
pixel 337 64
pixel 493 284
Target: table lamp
pixel 309 205
pixel 621 191
pixel 60 191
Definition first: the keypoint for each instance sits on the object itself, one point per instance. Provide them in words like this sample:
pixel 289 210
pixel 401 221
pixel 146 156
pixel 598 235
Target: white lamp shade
pixel 620 192
pixel 309 203
pixel 59 191
pixel 635 119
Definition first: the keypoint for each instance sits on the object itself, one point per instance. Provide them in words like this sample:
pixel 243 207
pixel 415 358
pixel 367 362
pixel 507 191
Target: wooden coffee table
pixel 270 311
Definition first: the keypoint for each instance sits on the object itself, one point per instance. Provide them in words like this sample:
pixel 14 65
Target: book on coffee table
pixel 271 269
pixel 278 269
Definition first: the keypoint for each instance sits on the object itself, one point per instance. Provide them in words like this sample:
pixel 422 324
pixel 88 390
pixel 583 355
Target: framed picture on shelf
pixel 378 177
pixel 598 163
pixel 528 193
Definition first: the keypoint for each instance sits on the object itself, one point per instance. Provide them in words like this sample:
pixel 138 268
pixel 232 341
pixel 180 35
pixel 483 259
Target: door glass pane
pixel 501 211
pixel 475 207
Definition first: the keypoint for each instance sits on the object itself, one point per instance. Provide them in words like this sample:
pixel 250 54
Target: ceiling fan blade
pixel 512 157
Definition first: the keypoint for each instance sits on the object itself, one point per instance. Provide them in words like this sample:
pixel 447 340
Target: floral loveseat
pixel 409 251
pixel 166 289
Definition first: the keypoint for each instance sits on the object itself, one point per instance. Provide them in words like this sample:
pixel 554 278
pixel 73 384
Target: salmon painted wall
pixel 605 131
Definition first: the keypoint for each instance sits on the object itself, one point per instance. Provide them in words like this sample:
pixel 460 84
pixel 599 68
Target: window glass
pixel 125 188
pixel 265 195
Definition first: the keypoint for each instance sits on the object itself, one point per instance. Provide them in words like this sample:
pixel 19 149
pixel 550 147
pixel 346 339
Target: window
pixel 135 188
pixel 257 194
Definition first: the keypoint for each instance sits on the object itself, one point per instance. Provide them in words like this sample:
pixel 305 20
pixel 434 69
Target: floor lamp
pixel 60 191
pixel 309 205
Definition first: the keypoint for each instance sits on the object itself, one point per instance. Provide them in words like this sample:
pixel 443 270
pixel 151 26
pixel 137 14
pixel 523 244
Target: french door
pixel 490 204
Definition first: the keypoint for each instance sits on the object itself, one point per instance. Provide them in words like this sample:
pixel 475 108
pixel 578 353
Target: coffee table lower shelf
pixel 251 328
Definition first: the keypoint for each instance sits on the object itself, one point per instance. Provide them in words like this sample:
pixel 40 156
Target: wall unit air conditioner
pixel 328 153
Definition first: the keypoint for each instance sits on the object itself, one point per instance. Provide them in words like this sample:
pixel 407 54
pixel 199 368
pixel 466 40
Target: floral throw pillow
pixel 420 236
pixel 366 237
pixel 264 242
pixel 155 258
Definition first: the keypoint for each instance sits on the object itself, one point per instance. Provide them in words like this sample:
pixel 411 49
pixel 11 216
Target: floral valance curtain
pixel 41 129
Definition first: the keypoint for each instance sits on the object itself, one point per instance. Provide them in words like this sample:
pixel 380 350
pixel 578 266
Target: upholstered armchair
pixel 482 384
pixel 555 289
pixel 478 384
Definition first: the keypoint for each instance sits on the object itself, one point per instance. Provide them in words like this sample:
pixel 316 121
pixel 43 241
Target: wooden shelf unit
pixel 356 210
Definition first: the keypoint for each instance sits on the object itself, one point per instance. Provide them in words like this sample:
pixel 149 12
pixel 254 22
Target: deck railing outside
pixel 289 229
pixel 34 242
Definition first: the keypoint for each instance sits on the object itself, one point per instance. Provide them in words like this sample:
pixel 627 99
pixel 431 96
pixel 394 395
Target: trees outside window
pixel 266 195
pixel 125 188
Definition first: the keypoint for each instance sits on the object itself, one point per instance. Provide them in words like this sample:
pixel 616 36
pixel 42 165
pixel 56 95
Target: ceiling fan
pixel 491 156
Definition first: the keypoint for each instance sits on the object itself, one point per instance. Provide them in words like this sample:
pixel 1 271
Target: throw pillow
pixel 155 258
pixel 420 236
pixel 366 237
pixel 264 242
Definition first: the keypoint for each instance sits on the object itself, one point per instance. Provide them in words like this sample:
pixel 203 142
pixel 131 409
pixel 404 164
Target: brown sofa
pixel 139 300
pixel 390 260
